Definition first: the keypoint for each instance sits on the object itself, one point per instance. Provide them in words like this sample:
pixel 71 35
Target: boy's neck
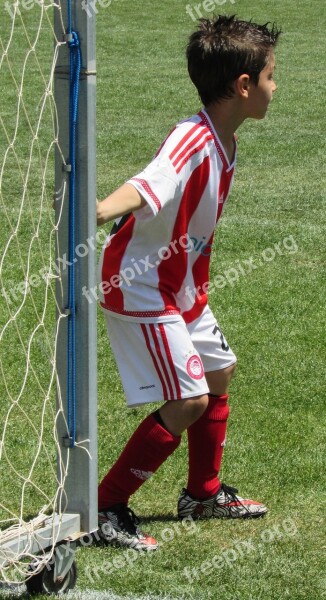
pixel 226 119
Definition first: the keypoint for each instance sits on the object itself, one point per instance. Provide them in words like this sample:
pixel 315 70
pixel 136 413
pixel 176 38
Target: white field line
pixel 19 591
pixel 97 595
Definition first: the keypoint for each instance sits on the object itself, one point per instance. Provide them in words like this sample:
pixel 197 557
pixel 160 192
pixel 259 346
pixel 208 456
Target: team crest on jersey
pixel 195 367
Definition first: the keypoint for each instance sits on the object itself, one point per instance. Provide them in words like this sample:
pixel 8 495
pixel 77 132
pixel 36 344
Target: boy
pixel 154 273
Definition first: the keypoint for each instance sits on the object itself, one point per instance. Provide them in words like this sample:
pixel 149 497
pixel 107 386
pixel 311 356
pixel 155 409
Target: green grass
pixel 273 316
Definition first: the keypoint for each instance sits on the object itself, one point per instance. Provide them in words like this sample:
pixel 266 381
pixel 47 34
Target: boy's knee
pixel 218 381
pixel 196 407
pixel 178 415
pixel 230 372
pixel 231 369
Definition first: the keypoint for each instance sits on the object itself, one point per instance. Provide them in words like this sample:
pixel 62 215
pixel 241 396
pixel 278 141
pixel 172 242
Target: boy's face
pixel 260 95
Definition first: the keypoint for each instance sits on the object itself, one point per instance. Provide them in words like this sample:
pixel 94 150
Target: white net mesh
pixel 29 481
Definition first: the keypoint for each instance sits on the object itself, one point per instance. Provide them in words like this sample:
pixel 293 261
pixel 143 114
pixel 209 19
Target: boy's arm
pixel 124 200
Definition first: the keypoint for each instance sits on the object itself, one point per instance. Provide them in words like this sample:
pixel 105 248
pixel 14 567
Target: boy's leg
pixel 207 436
pixel 147 449
pixel 156 361
pixel 205 495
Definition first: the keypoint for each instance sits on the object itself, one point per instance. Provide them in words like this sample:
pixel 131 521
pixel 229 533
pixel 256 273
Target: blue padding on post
pixel 75 66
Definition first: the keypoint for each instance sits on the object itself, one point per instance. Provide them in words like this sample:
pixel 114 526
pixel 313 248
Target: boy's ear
pixel 241 85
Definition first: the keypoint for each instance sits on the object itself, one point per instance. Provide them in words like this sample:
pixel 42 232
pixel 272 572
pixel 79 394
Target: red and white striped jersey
pixel 155 262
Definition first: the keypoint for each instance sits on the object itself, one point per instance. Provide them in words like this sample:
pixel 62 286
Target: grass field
pixel 273 315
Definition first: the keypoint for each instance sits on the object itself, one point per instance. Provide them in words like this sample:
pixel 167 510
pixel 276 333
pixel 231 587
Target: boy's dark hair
pixel 222 49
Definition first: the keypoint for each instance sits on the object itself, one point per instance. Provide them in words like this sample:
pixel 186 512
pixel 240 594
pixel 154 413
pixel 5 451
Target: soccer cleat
pixel 225 503
pixel 118 525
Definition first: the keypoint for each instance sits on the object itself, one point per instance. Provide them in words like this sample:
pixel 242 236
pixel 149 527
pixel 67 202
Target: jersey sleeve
pixel 158 184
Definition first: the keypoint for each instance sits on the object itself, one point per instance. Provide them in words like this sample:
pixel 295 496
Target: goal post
pixel 78 451
pixel 48 248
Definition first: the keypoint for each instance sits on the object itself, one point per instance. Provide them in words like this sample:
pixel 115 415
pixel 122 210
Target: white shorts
pixel 167 360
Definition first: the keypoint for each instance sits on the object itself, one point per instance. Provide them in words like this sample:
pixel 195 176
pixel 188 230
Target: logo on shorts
pixel 195 367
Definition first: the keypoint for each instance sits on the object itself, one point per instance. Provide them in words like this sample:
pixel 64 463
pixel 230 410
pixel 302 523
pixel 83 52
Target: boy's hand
pixel 100 219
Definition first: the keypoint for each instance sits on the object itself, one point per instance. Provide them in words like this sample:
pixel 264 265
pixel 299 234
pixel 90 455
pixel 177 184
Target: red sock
pixel 206 439
pixel 147 449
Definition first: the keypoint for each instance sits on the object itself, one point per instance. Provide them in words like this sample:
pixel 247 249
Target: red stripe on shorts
pixel 162 361
pixel 155 363
pixel 170 359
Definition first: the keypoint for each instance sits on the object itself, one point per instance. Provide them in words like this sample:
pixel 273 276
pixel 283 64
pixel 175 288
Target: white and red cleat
pixel 225 504
pixel 118 525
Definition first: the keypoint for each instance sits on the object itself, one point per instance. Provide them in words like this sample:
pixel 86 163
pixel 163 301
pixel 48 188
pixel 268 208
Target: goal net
pixel 32 479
